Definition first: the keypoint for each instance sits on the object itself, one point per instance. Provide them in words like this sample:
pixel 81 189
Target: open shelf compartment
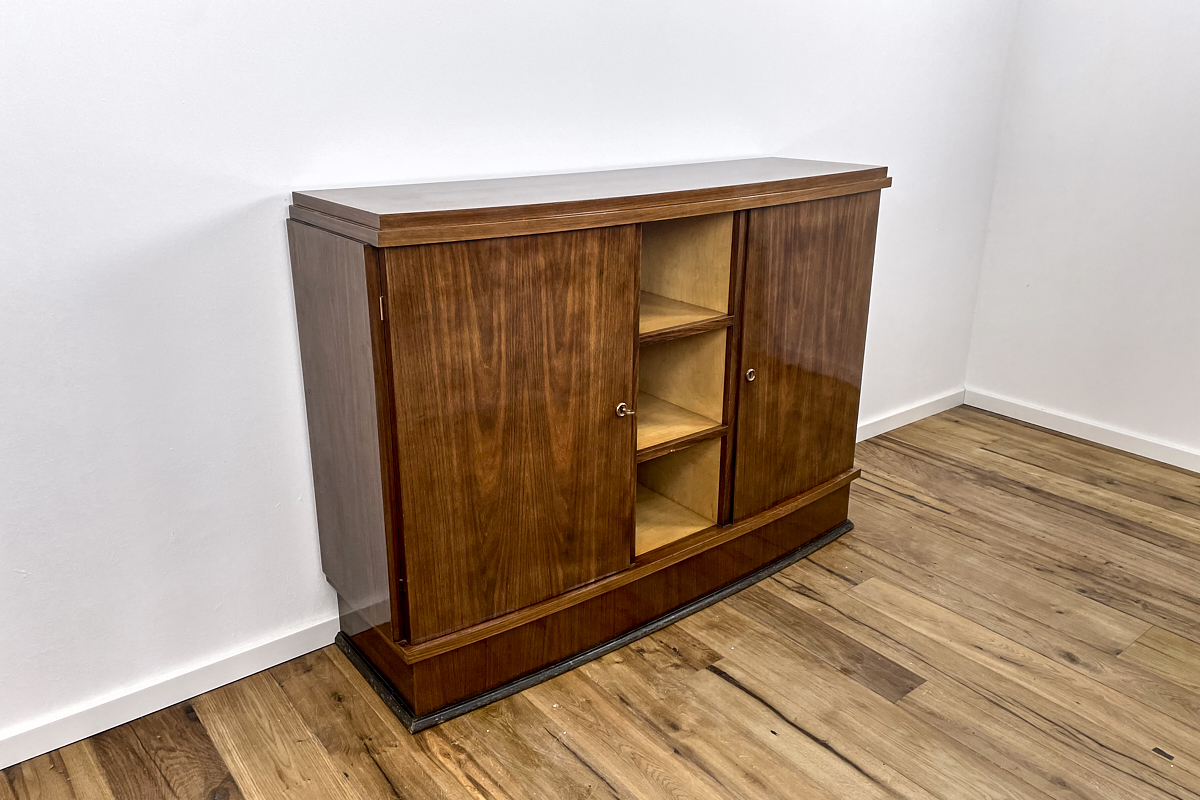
pixel 677 495
pixel 681 389
pixel 685 272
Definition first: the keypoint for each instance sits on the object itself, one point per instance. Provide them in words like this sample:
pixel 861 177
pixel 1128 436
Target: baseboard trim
pixel 1093 432
pixel 419 722
pixel 81 722
pixel 906 416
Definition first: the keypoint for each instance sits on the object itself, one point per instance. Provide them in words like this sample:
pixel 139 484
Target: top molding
pixel 420 213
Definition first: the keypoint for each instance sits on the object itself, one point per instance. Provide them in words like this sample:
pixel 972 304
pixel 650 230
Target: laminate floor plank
pixel 83 768
pixel 1023 592
pixel 968 486
pixel 936 661
pixel 270 751
pixel 744 716
pixel 631 760
pixel 1025 749
pixel 1174 480
pixel 130 771
pixel 42 778
pixel 848 656
pixel 855 721
pixel 1170 656
pixel 1132 680
pixel 357 739
pixel 1135 485
pixel 184 755
pixel 516 733
pixel 1104 707
pixel 6 789
pixel 1015 615
pixel 1074 494
pixel 1135 593
pixel 748 766
pixel 1145 572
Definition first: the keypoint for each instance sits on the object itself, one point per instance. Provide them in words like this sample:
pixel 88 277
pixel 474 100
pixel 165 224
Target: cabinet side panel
pixel 329 278
pixel 509 359
pixel 807 290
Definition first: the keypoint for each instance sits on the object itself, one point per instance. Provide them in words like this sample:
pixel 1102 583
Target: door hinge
pixel 381 308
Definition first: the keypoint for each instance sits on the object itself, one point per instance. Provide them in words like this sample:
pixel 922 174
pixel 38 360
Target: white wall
pixel 1090 295
pixel 156 503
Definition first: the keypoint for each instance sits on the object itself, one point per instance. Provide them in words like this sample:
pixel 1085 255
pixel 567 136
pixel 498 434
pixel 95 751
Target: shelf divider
pixel 660 422
pixel 662 318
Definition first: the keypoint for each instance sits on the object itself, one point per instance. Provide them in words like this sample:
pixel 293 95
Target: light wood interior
pixel 660 421
pixel 687 260
pixel 677 495
pixel 687 372
pixel 659 313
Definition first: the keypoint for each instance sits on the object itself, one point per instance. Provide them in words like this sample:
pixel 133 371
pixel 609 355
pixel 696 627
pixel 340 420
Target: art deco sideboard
pixel 549 415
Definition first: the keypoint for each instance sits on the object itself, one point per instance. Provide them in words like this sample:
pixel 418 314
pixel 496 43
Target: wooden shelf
pixel 659 314
pixel 660 422
pixel 661 521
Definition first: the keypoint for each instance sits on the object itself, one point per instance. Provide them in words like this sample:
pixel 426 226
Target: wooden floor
pixel 1015 615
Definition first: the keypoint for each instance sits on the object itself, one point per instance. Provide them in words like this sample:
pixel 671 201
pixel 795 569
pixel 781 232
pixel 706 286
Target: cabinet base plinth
pixel 415 722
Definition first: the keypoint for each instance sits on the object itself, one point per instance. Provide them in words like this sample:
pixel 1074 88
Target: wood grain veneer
pixel 333 316
pixel 563 194
pixel 465 671
pixel 509 358
pixel 807 289
pixel 389 216
pixel 678 551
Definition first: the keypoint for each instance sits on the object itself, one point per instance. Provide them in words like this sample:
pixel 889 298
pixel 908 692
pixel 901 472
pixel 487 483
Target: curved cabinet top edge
pixel 498 200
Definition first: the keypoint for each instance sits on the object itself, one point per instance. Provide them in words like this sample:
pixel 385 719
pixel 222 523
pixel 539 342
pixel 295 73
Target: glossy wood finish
pixel 334 311
pixel 936 651
pixel 642 567
pixel 530 197
pixel 511 490
pixel 733 355
pixel 807 289
pixel 865 180
pixel 469 670
pixel 509 357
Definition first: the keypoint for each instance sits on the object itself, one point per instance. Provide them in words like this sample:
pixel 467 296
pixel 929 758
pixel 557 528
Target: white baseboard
pixel 42 736
pixel 1094 432
pixel 900 418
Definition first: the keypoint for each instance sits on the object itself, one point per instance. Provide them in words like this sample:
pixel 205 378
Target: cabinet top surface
pixel 541 196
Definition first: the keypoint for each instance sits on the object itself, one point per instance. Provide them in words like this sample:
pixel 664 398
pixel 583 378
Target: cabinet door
pixel 808 283
pixel 509 358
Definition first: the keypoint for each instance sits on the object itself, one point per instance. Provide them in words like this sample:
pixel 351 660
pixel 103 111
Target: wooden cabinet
pixel 550 414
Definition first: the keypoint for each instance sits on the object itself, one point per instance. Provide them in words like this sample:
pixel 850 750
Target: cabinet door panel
pixel 808 283
pixel 516 476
